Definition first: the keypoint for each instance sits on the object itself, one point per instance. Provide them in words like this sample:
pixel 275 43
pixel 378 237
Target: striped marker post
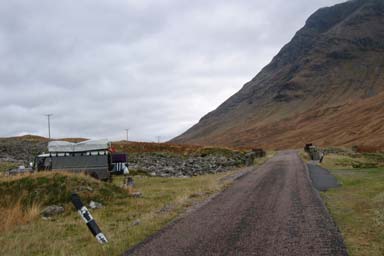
pixel 87 217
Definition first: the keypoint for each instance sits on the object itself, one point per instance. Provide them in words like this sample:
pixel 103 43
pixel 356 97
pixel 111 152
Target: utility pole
pixel 49 125
pixel 127 131
pixel 158 139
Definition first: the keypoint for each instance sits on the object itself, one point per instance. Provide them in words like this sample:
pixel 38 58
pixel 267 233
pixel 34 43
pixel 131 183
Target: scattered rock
pixel 166 208
pixel 52 210
pixel 95 205
pixel 20 151
pixel 183 177
pixel 136 222
pixel 172 165
pixel 84 188
pixel 135 194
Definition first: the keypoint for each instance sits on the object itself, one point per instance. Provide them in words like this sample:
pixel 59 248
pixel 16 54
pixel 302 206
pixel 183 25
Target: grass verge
pixel 351 160
pixel 358 205
pixel 124 220
pixel 6 166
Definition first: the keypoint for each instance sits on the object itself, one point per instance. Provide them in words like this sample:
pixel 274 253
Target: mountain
pixel 325 86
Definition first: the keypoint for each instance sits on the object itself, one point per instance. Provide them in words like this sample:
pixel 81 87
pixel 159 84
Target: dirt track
pixel 272 211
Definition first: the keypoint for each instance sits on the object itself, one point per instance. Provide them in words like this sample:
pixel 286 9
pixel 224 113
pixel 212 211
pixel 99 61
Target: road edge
pixel 317 193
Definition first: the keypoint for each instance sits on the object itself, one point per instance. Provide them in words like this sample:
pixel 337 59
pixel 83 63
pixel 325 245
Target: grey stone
pixel 136 194
pixel 52 210
pixel 95 205
pixel 136 222
pixel 84 188
pixel 167 165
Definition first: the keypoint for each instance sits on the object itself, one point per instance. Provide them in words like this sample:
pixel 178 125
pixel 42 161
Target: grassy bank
pixel 125 220
pixel 6 166
pixel 358 205
pixel 350 160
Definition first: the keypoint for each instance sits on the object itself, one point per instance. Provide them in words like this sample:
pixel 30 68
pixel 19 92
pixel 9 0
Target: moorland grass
pixel 124 220
pixel 6 166
pixel 358 209
pixel 358 205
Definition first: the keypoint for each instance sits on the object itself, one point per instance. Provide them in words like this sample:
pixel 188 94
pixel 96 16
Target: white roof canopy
pixel 89 145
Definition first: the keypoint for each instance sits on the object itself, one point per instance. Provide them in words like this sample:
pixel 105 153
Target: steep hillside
pixel 335 60
pixel 353 123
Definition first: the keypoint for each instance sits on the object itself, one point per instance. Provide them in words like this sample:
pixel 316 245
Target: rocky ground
pixel 17 151
pixel 163 164
pixel 21 151
pixel 154 159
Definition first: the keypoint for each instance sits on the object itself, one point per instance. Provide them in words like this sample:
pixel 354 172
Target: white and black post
pixel 87 217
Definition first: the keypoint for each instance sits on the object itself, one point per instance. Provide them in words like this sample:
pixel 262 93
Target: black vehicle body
pixel 98 164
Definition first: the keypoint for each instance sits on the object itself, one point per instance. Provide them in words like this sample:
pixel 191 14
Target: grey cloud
pixel 154 66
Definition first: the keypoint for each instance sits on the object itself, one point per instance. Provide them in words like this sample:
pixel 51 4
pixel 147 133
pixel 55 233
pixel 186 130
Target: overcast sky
pixel 154 66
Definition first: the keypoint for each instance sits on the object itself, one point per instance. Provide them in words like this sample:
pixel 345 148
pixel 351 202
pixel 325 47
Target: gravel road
pixel 273 210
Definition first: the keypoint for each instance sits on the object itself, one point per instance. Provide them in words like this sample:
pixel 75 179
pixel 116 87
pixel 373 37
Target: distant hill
pixel 325 86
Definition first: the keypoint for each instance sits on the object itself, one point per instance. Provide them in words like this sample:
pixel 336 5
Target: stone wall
pixel 165 165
